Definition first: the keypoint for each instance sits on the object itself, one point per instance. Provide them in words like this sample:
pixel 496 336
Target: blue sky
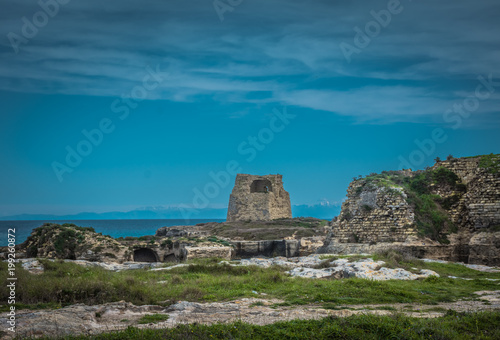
pixel 200 87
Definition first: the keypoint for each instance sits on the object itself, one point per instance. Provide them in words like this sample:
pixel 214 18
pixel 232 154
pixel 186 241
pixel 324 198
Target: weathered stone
pixel 286 248
pixel 90 320
pixel 338 269
pixel 377 216
pixel 35 267
pixel 258 198
pixel 207 252
pixel 373 214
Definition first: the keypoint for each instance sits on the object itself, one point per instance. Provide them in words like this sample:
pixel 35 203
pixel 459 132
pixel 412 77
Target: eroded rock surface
pixel 341 268
pixel 88 320
pixel 35 267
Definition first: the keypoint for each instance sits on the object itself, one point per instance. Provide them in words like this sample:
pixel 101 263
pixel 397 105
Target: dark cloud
pixel 280 47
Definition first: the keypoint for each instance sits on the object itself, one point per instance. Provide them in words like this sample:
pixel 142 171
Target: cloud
pixel 289 49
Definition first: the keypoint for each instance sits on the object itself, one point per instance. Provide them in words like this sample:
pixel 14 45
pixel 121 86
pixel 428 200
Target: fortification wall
pixel 380 214
pixel 479 207
pixel 377 214
pixel 258 198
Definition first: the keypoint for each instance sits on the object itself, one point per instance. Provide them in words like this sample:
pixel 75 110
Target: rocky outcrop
pixel 284 237
pixel 450 203
pixel 374 213
pixel 34 266
pixel 337 268
pixel 78 319
pixel 91 320
pixel 69 241
pixel 180 231
pixel 256 198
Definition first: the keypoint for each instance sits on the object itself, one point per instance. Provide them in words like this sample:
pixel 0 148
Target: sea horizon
pixel 113 227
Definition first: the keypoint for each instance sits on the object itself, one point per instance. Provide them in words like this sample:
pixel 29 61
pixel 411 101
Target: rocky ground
pixel 87 320
pixel 260 310
pixel 303 266
pixel 34 266
pixel 306 266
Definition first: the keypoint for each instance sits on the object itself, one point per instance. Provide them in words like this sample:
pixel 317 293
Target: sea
pixel 113 228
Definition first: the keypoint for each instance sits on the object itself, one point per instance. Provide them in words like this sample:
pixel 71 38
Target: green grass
pixel 206 281
pixel 152 318
pixel 453 325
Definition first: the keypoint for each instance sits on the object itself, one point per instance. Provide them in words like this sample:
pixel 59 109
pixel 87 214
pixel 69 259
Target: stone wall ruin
pixel 258 198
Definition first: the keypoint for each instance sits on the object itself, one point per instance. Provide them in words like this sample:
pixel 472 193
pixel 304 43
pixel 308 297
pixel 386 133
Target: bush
pixel 74 226
pixel 430 210
pixel 153 318
pixel 444 176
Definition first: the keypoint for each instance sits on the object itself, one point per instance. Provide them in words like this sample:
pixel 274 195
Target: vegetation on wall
pixel 421 189
pixel 491 163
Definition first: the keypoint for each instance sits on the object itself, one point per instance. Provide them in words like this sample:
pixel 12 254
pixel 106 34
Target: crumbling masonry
pixel 257 198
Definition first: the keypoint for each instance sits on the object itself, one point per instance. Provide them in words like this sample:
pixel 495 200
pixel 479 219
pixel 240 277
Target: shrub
pixel 167 243
pixel 347 215
pixel 354 238
pixel 445 176
pixel 490 163
pixel 64 243
pixel 153 318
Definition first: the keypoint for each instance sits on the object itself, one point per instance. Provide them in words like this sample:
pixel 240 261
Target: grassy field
pixel 206 281
pixel 484 325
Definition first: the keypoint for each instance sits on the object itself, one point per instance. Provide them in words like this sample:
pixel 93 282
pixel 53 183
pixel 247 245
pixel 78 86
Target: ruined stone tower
pixel 258 198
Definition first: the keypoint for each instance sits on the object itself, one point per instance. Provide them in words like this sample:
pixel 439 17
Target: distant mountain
pixel 140 214
pixel 322 210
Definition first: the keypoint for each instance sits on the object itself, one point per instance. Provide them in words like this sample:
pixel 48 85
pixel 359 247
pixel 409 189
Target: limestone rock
pixel 207 252
pixel 337 269
pixel 378 213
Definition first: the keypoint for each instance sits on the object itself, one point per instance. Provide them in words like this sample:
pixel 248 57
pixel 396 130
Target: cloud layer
pixel 280 52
